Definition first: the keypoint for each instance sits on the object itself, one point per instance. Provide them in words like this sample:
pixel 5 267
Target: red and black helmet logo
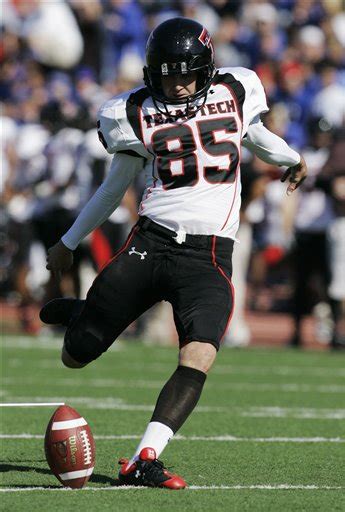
pixel 206 40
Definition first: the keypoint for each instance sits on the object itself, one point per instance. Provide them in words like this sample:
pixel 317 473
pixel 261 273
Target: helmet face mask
pixel 179 46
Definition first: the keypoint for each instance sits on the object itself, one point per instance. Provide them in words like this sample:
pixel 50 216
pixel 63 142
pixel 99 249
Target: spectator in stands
pixel 23 165
pixel 296 97
pixel 313 217
pixel 296 47
pixel 124 32
pixel 267 39
pixel 329 103
pixel 49 30
pixel 57 193
pixel 89 18
pixel 253 188
pixel 332 180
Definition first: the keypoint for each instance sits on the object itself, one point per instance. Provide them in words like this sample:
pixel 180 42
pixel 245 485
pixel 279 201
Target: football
pixel 69 447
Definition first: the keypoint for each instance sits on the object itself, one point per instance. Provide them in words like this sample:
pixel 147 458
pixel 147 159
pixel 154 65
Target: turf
pixel 268 433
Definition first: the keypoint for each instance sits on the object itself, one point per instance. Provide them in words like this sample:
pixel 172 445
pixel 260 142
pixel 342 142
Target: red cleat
pixel 149 472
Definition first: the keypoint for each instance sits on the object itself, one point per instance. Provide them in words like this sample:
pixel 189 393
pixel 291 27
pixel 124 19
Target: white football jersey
pixel 192 165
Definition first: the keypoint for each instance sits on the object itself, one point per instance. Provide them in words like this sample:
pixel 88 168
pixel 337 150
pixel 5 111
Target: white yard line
pixel 118 404
pixel 33 404
pixel 223 438
pixel 293 412
pixel 110 403
pixel 44 342
pixel 290 387
pixel 22 342
pixel 98 383
pixel 224 369
pixel 47 342
pixel 217 370
pixel 277 487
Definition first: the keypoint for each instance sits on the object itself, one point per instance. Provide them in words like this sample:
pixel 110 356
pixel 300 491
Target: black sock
pixel 178 397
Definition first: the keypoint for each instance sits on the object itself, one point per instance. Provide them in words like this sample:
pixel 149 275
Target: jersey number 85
pixel 177 162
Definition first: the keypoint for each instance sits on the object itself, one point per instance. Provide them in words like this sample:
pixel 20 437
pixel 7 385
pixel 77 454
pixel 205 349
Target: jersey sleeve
pixel 106 199
pixel 114 129
pixel 255 102
pixel 269 147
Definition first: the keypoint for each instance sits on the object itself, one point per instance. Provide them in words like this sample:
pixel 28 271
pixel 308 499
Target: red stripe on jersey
pixel 124 247
pixel 213 250
pixel 231 286
pixel 100 248
pixel 233 199
pixel 232 92
pixel 233 301
pixel 149 190
pixel 139 112
pixel 233 95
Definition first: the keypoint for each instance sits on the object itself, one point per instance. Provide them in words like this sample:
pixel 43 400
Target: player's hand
pixel 59 259
pixel 295 175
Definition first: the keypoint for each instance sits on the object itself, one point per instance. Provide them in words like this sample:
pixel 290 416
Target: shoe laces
pixel 154 469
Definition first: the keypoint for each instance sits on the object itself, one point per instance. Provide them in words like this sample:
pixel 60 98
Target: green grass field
pixel 268 433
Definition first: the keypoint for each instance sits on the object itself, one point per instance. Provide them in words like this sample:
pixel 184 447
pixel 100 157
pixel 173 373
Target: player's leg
pixel 175 403
pixel 62 311
pixel 68 361
pixel 202 308
pixel 179 396
pixel 119 294
pixel 198 355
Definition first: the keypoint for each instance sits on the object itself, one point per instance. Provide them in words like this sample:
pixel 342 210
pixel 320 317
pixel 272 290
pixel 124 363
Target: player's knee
pixel 69 362
pixel 81 347
pixel 198 355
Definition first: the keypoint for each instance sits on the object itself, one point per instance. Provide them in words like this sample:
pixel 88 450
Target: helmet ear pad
pixel 203 76
pixel 153 81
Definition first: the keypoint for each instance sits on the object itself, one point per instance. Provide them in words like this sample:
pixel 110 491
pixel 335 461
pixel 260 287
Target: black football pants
pixel 195 277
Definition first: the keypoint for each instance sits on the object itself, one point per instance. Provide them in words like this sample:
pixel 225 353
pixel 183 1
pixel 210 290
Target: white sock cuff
pixel 157 436
pixel 159 428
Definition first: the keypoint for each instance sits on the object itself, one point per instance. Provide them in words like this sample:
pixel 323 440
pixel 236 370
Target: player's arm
pixel 272 149
pixel 102 204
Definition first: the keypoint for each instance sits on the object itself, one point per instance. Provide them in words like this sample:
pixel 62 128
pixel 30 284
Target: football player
pixel 184 130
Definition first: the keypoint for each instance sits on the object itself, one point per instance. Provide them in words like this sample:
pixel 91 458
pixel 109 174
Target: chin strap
pixel 190 110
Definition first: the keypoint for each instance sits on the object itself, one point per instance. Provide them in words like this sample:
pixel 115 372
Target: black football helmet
pixel 179 45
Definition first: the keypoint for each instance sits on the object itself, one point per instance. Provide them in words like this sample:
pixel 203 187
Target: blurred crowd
pixel 61 59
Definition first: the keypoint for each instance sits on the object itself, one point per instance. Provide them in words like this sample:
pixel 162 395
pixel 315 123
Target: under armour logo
pixel 141 254
pixel 137 473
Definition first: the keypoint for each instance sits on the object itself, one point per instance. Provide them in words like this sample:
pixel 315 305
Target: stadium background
pixel 268 433
pixel 61 60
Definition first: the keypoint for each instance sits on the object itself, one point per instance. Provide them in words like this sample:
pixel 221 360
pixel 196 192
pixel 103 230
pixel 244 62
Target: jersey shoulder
pixel 115 130
pixel 254 97
pixel 247 77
